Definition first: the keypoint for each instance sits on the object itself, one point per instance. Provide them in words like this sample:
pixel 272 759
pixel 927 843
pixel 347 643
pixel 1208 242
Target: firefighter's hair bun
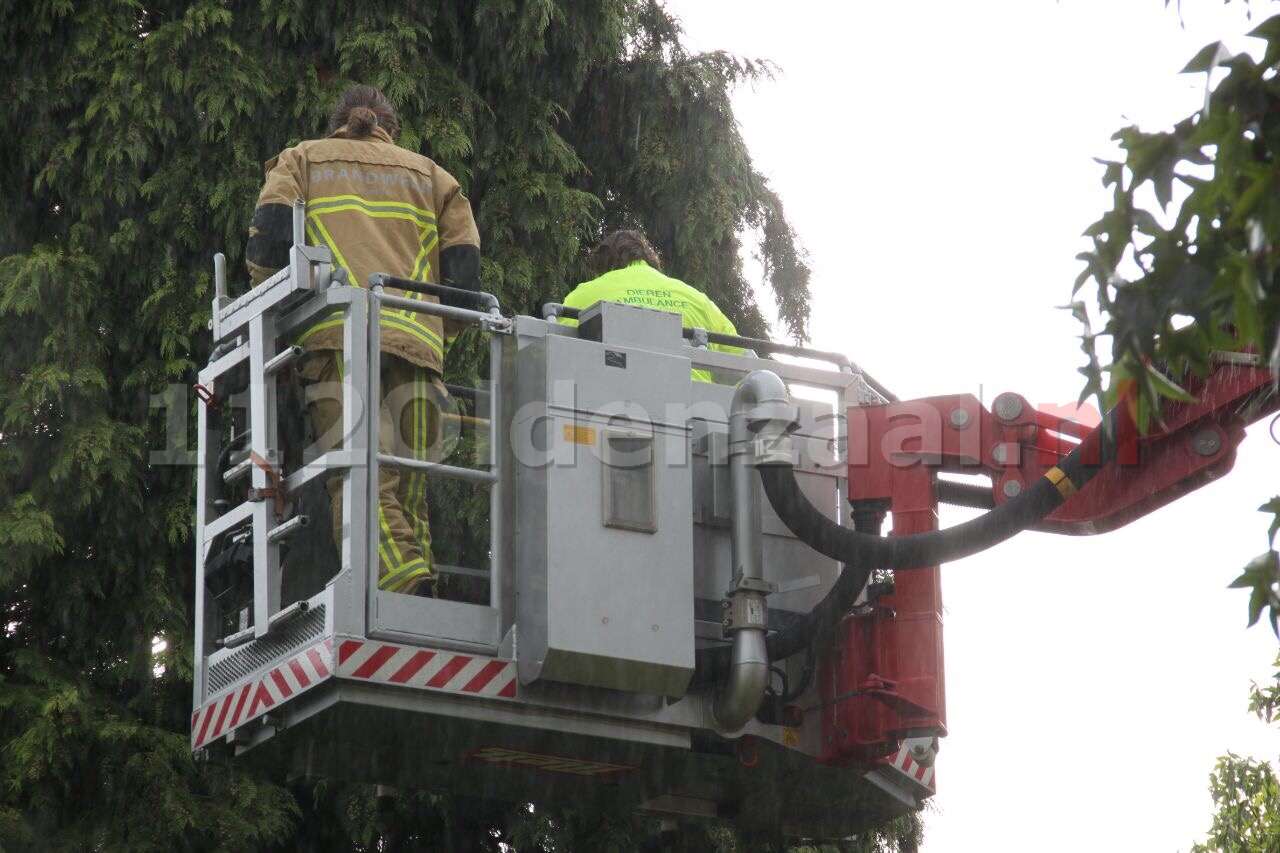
pixel 362 108
pixel 361 121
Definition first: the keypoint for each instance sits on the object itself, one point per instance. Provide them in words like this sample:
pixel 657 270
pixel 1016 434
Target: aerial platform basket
pixel 610 564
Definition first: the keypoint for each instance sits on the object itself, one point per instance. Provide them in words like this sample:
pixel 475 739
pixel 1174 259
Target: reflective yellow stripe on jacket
pixel 400 320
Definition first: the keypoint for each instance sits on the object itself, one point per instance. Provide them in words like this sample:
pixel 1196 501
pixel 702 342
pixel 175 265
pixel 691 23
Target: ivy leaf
pixel 1095 268
pixel 1187 287
pixel 1113 172
pixel 1272 506
pixel 1269 30
pixel 1262 575
pixel 1208 58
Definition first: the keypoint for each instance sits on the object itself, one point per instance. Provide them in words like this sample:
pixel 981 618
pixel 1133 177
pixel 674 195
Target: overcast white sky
pixel 935 157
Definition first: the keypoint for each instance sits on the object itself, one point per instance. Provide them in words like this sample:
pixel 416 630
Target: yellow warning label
pixel 554 763
pixel 575 434
pixel 1060 479
pixel 790 737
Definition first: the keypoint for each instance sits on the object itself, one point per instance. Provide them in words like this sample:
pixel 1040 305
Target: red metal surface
pixel 1190 444
pixel 882 680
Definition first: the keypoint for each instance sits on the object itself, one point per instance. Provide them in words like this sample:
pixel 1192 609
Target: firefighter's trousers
pixel 409 426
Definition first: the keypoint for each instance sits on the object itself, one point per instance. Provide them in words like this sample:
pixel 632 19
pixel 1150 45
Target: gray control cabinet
pixel 602 457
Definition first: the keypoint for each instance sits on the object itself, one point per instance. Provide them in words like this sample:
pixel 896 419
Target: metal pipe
pixel 466 392
pixel 276 622
pixel 499 433
pixel 239 638
pixel 373 398
pixel 237 471
pixel 299 222
pixel 552 311
pixel 745 522
pixel 740 695
pixel 295 609
pixel 760 418
pixel 449 472
pixel 464 420
pixel 439 309
pixel 219 296
pixel 283 531
pixel 287 356
pixel 760 345
pixel 453 296
pixel 220 276
pixel 461 571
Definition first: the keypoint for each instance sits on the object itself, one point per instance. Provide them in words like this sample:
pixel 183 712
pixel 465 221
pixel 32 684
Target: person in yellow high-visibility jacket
pixel 378 208
pixel 628 271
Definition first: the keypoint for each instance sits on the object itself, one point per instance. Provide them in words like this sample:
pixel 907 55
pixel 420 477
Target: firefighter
pixel 378 208
pixel 628 271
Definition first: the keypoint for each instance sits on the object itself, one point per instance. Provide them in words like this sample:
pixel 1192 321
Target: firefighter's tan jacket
pixel 378 208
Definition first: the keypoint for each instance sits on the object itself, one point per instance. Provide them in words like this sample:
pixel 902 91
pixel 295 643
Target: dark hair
pixel 360 109
pixel 620 249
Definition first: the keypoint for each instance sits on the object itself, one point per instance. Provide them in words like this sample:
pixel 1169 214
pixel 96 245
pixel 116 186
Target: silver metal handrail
pixel 491 322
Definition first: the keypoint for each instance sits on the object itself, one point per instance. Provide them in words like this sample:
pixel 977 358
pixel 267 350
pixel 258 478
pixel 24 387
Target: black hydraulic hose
pixel 930 549
pixel 862 553
pixel 795 691
pixel 454 297
pixel 233 445
pixel 222 349
pixel 965 494
pixel 825 614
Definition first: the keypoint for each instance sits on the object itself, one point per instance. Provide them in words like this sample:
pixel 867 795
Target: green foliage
pixel 683 174
pixel 1262 576
pixel 1264 702
pixel 1211 257
pixel 900 835
pixel 1246 792
pixel 139 133
pixel 1247 795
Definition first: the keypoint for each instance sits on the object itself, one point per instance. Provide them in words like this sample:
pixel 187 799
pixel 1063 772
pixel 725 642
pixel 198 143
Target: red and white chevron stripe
pixel 906 765
pixel 387 663
pixel 225 713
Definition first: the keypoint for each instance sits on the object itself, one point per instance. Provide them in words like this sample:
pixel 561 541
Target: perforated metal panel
pixel 262 653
